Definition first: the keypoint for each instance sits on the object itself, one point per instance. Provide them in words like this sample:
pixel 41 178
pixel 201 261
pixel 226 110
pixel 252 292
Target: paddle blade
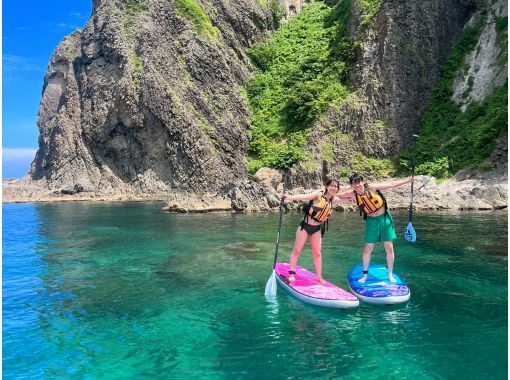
pixel 409 233
pixel 271 286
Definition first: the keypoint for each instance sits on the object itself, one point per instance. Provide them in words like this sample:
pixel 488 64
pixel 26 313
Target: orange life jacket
pixel 319 210
pixel 369 202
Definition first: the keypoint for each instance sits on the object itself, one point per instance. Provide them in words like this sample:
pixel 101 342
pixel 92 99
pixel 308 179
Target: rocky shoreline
pixel 465 191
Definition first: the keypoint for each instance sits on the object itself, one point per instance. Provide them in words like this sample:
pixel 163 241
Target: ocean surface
pixel 123 290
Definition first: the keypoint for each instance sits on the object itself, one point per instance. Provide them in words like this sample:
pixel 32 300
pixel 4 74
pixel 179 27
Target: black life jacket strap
pixel 324 227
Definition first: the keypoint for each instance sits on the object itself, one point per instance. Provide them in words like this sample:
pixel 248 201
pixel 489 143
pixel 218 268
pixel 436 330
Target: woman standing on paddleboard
pixel 379 222
pixel 314 224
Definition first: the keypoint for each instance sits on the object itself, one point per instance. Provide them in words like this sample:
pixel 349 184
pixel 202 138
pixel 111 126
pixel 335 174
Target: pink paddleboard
pixel 308 289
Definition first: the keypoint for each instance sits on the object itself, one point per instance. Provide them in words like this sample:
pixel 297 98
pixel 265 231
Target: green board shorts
pixel 380 228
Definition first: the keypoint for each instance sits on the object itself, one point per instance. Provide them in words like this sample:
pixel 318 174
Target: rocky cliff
pixel 482 71
pixel 403 50
pixel 147 98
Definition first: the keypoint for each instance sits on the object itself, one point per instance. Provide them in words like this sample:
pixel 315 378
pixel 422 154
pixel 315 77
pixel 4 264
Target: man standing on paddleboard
pixel 314 224
pixel 379 221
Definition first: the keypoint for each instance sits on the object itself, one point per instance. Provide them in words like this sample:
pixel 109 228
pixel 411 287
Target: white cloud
pixel 18 154
pixel 78 15
pixel 66 27
pixel 11 63
pixel 16 161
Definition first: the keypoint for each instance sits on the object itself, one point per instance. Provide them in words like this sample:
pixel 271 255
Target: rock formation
pixel 483 72
pixel 146 100
pixel 403 50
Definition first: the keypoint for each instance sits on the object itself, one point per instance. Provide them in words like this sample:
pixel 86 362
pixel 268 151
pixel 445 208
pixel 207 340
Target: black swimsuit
pixel 312 211
pixel 310 228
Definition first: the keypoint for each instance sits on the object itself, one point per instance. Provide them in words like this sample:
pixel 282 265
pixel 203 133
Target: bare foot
pixel 391 278
pixel 321 280
pixel 363 279
pixel 292 278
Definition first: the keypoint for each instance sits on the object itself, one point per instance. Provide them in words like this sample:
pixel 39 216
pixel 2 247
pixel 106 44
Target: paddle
pixel 409 233
pixel 271 283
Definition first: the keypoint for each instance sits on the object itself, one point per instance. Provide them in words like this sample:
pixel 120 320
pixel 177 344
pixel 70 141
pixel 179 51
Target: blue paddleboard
pixel 377 288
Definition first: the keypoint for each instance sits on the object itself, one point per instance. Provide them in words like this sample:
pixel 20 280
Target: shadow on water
pixel 245 250
pixel 175 276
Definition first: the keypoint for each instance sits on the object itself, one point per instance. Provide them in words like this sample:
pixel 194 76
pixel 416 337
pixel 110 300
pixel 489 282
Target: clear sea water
pixel 122 290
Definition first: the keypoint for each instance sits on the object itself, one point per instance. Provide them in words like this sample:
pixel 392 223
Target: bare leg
pixel 316 243
pixel 390 258
pixel 366 260
pixel 301 236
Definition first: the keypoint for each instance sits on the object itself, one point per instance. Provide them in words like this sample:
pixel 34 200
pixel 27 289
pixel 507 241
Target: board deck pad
pixel 377 285
pixel 307 284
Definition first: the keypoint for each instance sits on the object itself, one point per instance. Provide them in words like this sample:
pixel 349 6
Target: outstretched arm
pixel 337 200
pixel 343 197
pixel 301 197
pixel 391 184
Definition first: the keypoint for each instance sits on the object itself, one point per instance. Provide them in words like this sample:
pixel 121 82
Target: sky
pixel 31 30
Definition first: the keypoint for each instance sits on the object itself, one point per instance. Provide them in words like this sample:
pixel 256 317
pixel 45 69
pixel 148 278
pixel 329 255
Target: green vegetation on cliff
pixel 201 22
pixel 502 39
pixel 374 166
pixel 369 8
pixel 275 7
pixel 138 70
pixel 301 70
pixel 450 139
pixel 131 9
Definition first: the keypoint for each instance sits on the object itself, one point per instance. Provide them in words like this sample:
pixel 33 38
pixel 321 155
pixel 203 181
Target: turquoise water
pixel 110 291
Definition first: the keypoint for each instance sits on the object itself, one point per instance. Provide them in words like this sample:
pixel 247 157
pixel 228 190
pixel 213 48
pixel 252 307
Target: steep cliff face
pixel 486 67
pixel 403 49
pixel 146 98
pixel 406 46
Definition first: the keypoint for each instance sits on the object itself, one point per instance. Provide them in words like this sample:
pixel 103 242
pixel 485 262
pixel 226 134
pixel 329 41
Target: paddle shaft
pixel 412 182
pixel 280 220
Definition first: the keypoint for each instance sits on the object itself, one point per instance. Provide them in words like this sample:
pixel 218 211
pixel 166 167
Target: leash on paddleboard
pixel 271 283
pixel 409 233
